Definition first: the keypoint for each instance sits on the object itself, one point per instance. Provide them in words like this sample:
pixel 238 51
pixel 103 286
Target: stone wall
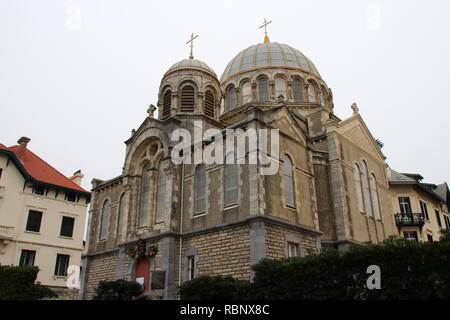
pixel 101 267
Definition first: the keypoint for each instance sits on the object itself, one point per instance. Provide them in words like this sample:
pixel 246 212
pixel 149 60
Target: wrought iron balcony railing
pixel 409 220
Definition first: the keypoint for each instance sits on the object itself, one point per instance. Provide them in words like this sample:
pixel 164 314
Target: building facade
pixel 330 188
pixel 42 215
pixel 420 209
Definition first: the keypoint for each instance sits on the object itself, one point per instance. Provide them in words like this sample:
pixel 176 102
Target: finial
pixel 192 45
pixel 151 110
pixel 266 38
pixel 354 108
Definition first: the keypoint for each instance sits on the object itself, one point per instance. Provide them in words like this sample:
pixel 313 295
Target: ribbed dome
pixel 268 55
pixel 190 64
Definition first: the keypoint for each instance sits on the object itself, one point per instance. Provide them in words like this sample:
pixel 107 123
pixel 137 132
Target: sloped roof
pixel 41 171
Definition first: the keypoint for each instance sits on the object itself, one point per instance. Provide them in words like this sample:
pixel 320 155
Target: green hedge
pixel 214 288
pixel 18 283
pixel 408 271
pixel 119 290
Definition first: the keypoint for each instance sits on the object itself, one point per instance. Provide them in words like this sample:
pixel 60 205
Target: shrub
pixel 118 290
pixel 18 283
pixel 214 288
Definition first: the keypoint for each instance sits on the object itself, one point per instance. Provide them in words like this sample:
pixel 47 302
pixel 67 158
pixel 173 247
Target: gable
pixel 356 132
pixel 285 122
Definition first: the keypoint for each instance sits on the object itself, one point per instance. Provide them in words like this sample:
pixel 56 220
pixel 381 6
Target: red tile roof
pixel 2 146
pixel 42 171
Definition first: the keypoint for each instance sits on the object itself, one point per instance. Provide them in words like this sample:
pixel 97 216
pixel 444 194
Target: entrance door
pixel 143 272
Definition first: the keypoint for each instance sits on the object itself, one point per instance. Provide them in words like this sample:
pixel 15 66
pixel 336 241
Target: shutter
pixel 209 104
pixel 167 103
pixel 187 99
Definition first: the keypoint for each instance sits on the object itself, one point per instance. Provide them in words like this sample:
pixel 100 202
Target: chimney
pixel 77 177
pixel 22 148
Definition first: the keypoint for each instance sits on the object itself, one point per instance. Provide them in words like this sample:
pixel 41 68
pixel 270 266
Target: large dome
pixel 190 64
pixel 268 55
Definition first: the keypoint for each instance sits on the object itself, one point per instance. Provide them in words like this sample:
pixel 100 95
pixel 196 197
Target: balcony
pixel 6 232
pixel 409 220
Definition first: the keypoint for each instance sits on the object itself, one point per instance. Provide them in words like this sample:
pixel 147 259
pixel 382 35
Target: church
pixel 161 223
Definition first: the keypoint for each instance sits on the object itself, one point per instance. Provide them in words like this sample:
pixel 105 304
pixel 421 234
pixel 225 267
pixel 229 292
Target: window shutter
pixel 167 103
pixel 209 104
pixel 187 99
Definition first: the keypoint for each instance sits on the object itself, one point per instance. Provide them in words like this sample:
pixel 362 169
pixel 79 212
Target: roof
pixel 268 55
pixel 40 170
pixel 190 64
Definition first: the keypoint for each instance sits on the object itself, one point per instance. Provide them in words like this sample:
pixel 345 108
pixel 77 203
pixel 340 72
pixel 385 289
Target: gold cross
pixel 192 44
pixel 266 38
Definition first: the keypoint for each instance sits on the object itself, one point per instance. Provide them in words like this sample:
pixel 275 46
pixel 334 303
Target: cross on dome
pixel 266 38
pixel 192 45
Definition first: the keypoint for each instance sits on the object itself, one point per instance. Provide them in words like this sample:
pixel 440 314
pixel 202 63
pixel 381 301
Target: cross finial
pixel 266 38
pixel 192 44
pixel 151 109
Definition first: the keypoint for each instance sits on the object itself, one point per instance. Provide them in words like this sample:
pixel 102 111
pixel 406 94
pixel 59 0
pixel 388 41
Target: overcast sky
pixel 77 76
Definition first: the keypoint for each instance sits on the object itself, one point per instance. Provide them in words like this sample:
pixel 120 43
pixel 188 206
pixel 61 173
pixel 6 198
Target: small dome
pixel 268 55
pixel 190 64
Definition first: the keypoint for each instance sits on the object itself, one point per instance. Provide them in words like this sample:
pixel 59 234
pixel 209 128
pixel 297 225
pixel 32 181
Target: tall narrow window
pixel 62 262
pixel 297 88
pixel 200 189
pixel 161 196
pixel 280 87
pixel 231 179
pixel 187 99
pixel 292 250
pixel 34 221
pixel 358 188
pixel 67 225
pixel 27 258
pixel 263 89
pixel 145 196
pixel 438 218
pixel 232 100
pixel 246 92
pixel 374 189
pixel 288 181
pixel 322 98
pixel 105 220
pixel 167 103
pixel 191 267
pixel 210 101
pixel 405 204
pixel 311 92
pixel 121 211
pixel 424 209
pixel 367 189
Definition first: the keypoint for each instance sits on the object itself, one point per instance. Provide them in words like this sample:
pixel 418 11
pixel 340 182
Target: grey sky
pixel 77 87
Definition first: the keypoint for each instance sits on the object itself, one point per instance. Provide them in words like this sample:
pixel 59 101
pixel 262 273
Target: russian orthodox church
pixel 162 223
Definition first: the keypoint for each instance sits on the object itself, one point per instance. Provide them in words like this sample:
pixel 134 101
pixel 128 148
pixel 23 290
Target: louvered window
pixel 187 99
pixel 263 89
pixel 209 103
pixel 167 103
pixel 298 90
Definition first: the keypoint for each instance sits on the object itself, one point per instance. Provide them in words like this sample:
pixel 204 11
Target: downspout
pixel 181 223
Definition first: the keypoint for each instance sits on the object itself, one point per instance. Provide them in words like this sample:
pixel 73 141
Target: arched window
pixel 263 89
pixel 231 179
pixel 187 99
pixel 297 87
pixel 358 188
pixel 246 92
pixel 232 98
pixel 121 211
pixel 200 189
pixel 367 189
pixel 373 188
pixel 322 98
pixel 161 196
pixel 145 196
pixel 280 87
pixel 106 211
pixel 210 101
pixel 167 103
pixel 288 181
pixel 311 92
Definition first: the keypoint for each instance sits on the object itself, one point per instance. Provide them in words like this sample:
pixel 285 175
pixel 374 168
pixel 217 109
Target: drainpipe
pixel 181 222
